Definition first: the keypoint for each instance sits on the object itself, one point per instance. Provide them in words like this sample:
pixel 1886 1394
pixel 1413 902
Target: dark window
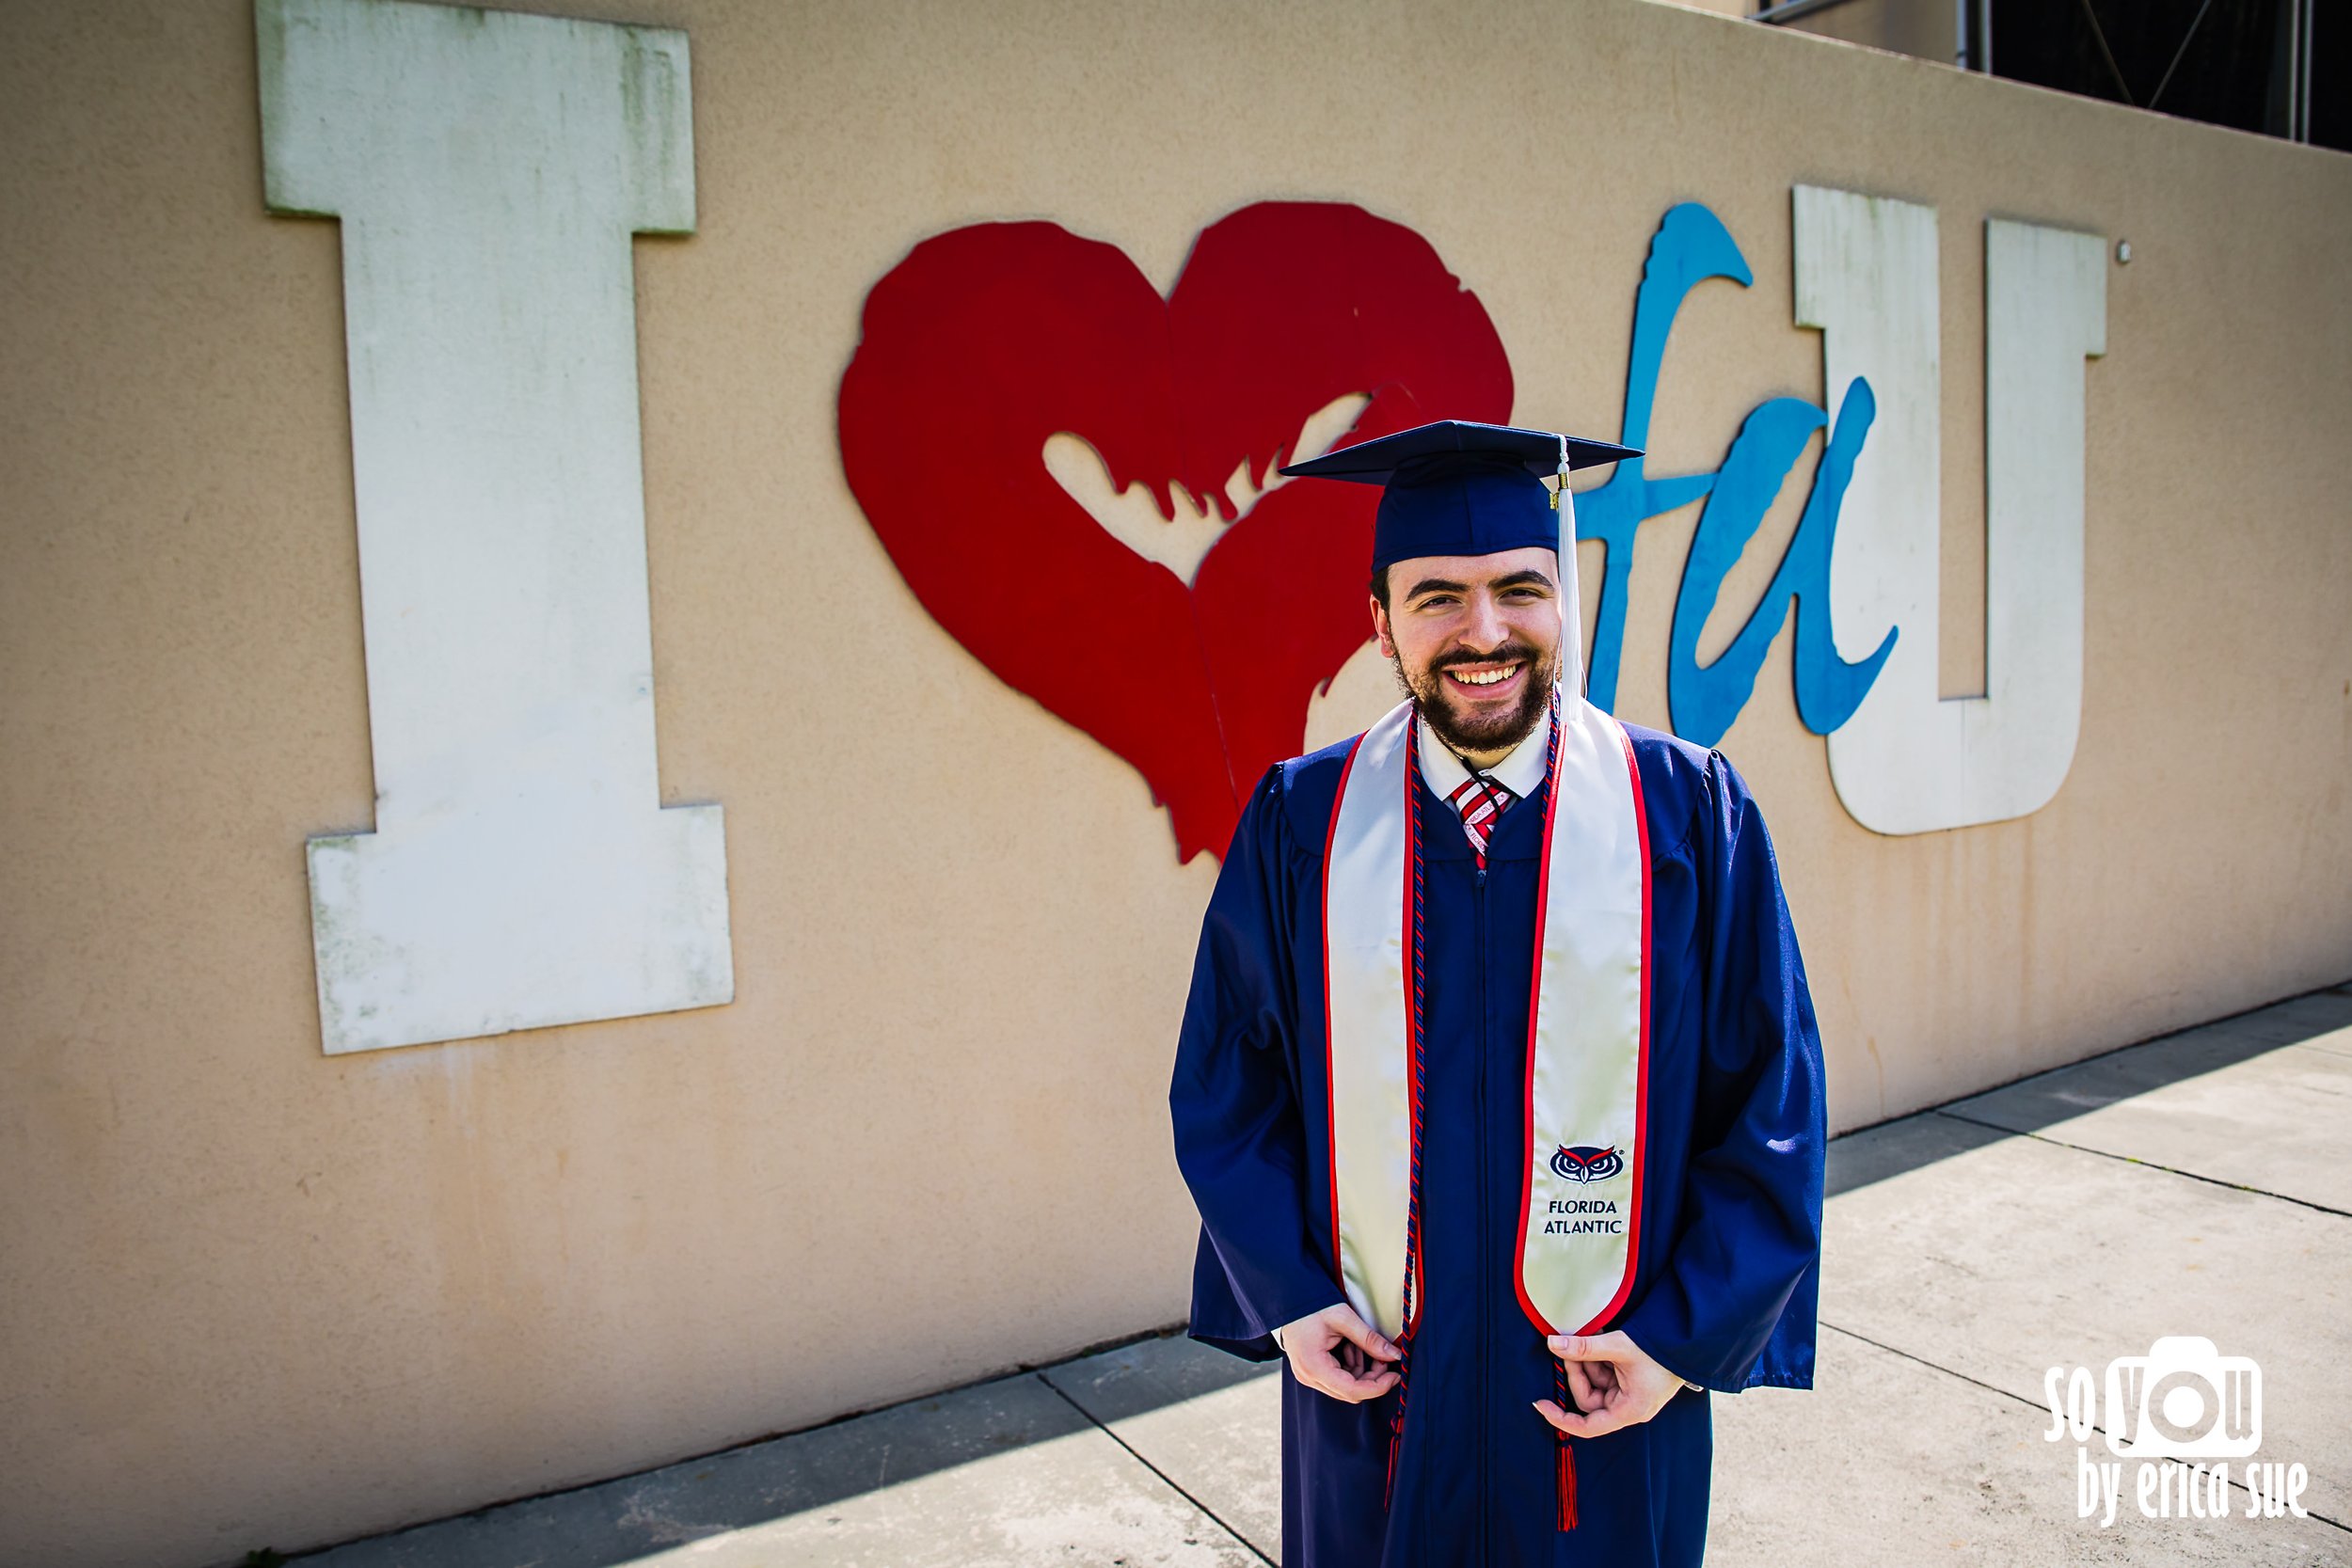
pixel 2228 62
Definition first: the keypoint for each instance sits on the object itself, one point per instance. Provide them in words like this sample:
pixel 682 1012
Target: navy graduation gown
pixel 1724 1285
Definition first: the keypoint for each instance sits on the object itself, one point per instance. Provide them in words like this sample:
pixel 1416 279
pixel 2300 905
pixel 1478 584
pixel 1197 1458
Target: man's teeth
pixel 1483 677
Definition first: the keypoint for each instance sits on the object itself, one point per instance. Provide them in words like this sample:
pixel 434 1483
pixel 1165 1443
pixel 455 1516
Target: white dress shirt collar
pixel 1521 772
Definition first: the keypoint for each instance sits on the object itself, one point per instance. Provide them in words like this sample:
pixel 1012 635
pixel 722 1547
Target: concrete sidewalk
pixel 2200 1184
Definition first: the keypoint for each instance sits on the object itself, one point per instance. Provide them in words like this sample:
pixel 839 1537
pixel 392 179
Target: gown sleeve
pixel 1241 1142
pixel 1734 1305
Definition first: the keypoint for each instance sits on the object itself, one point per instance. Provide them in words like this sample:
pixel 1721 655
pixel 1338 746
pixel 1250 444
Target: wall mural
pixel 489 169
pixel 1910 760
pixel 1019 350
pixel 1690 246
pixel 1115 546
pixel 1097 516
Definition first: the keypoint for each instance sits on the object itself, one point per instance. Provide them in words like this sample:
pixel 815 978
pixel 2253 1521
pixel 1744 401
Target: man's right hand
pixel 1334 1351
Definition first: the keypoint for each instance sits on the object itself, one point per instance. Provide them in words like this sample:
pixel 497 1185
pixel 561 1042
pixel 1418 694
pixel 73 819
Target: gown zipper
pixel 1485 1264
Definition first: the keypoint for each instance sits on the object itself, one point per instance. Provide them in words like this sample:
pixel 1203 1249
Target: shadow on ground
pixel 1159 1451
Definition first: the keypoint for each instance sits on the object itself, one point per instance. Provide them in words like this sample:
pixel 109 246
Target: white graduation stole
pixel 1587 1051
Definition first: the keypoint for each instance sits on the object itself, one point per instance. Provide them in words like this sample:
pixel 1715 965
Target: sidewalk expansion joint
pixel 2151 1164
pixel 2021 1399
pixel 1166 1480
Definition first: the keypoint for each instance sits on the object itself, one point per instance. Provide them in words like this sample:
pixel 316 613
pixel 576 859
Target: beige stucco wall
pixel 256 1294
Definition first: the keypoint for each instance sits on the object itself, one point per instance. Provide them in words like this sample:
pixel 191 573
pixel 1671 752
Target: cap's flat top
pixel 1427 447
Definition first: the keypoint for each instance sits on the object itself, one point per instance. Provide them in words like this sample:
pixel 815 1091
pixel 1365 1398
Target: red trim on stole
pixel 1408 1309
pixel 1566 1478
pixel 1330 1101
pixel 1640 1070
pixel 1534 995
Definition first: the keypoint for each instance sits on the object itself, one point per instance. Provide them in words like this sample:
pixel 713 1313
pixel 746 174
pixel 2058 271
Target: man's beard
pixel 1433 700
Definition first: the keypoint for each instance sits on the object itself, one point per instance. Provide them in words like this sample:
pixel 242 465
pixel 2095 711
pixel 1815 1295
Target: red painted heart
pixel 987 342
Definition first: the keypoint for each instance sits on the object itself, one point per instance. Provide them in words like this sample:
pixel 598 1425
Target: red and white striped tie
pixel 1481 802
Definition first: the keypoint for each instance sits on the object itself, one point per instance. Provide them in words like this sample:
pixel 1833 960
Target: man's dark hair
pixel 1381 586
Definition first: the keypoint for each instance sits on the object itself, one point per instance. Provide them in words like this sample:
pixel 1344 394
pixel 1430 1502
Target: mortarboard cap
pixel 1458 488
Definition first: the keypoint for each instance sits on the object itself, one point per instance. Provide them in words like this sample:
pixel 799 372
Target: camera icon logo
pixel 2184 1399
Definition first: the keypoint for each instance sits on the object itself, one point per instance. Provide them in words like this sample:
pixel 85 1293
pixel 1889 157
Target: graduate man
pixel 1499 1088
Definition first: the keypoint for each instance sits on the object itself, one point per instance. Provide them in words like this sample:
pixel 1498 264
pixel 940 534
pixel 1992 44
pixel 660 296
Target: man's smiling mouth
pixel 1482 675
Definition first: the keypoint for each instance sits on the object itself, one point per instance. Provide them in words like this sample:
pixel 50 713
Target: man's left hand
pixel 1612 1379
